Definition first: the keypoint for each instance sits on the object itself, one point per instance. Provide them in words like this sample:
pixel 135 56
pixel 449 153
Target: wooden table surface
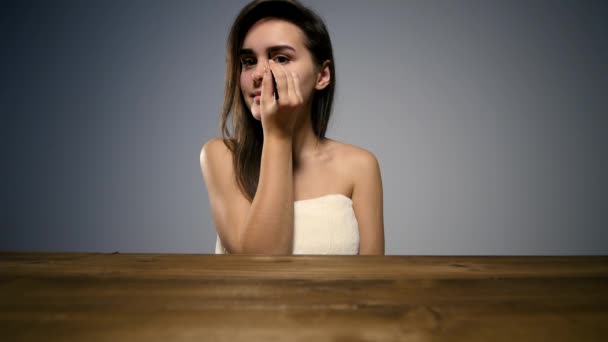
pixel 177 297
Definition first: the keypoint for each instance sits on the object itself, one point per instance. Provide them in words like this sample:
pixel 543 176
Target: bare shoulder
pixel 353 157
pixel 216 164
pixel 213 149
pixel 215 154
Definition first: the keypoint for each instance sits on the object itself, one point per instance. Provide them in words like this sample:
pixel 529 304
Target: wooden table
pixel 172 297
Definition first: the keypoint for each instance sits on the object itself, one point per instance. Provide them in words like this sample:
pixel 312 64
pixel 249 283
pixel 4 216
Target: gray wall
pixel 488 119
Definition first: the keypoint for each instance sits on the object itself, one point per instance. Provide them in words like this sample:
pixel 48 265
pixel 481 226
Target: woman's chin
pixel 256 115
pixel 255 112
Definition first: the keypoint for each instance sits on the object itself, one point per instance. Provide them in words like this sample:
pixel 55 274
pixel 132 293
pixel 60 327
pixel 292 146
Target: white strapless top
pixel 322 225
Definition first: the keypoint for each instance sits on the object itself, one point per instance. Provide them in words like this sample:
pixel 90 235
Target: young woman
pixel 276 184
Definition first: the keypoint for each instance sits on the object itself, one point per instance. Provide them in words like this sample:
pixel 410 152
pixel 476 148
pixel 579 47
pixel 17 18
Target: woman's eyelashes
pixel 248 62
pixel 281 59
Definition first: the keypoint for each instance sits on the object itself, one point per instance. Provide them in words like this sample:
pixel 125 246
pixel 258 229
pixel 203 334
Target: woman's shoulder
pixel 358 165
pixel 216 152
pixel 351 155
pixel 217 146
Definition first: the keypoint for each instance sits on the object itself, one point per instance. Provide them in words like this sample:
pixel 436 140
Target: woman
pixel 276 184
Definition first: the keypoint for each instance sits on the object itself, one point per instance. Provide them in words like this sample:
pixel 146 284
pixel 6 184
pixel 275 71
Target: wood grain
pixel 175 297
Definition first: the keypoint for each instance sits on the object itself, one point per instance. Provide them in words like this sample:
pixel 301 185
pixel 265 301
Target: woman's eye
pixel 281 59
pixel 247 62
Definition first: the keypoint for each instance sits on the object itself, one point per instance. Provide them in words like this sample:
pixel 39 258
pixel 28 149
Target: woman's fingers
pixel 296 88
pixel 291 92
pixel 267 95
pixel 288 85
pixel 281 79
pixel 280 114
pixel 287 89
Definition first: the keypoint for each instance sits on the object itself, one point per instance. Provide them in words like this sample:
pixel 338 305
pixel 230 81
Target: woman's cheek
pixel 242 81
pixel 307 87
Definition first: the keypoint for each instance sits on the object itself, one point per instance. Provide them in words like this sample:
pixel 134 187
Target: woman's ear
pixel 324 76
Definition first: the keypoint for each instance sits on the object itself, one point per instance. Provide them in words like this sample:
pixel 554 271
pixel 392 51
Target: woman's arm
pixel 264 226
pixel 368 204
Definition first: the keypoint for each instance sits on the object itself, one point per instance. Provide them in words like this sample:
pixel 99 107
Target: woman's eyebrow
pixel 268 50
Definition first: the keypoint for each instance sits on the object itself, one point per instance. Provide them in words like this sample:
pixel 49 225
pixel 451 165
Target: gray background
pixel 488 119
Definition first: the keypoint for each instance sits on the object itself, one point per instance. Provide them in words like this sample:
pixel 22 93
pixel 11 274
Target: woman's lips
pixel 256 96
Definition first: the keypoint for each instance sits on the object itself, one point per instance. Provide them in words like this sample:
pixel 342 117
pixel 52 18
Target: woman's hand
pixel 279 116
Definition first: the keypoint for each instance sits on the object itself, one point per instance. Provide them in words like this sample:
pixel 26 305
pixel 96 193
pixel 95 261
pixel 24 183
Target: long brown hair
pixel 246 138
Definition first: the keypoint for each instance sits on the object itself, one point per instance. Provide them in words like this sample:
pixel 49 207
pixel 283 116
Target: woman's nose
pixel 258 73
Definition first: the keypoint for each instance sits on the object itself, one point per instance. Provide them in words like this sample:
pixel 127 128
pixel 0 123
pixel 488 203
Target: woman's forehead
pixel 271 32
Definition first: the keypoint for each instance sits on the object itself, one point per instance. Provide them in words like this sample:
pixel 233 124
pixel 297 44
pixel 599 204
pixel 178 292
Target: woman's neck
pixel 305 142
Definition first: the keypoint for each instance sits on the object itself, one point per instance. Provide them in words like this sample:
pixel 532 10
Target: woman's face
pixel 282 42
